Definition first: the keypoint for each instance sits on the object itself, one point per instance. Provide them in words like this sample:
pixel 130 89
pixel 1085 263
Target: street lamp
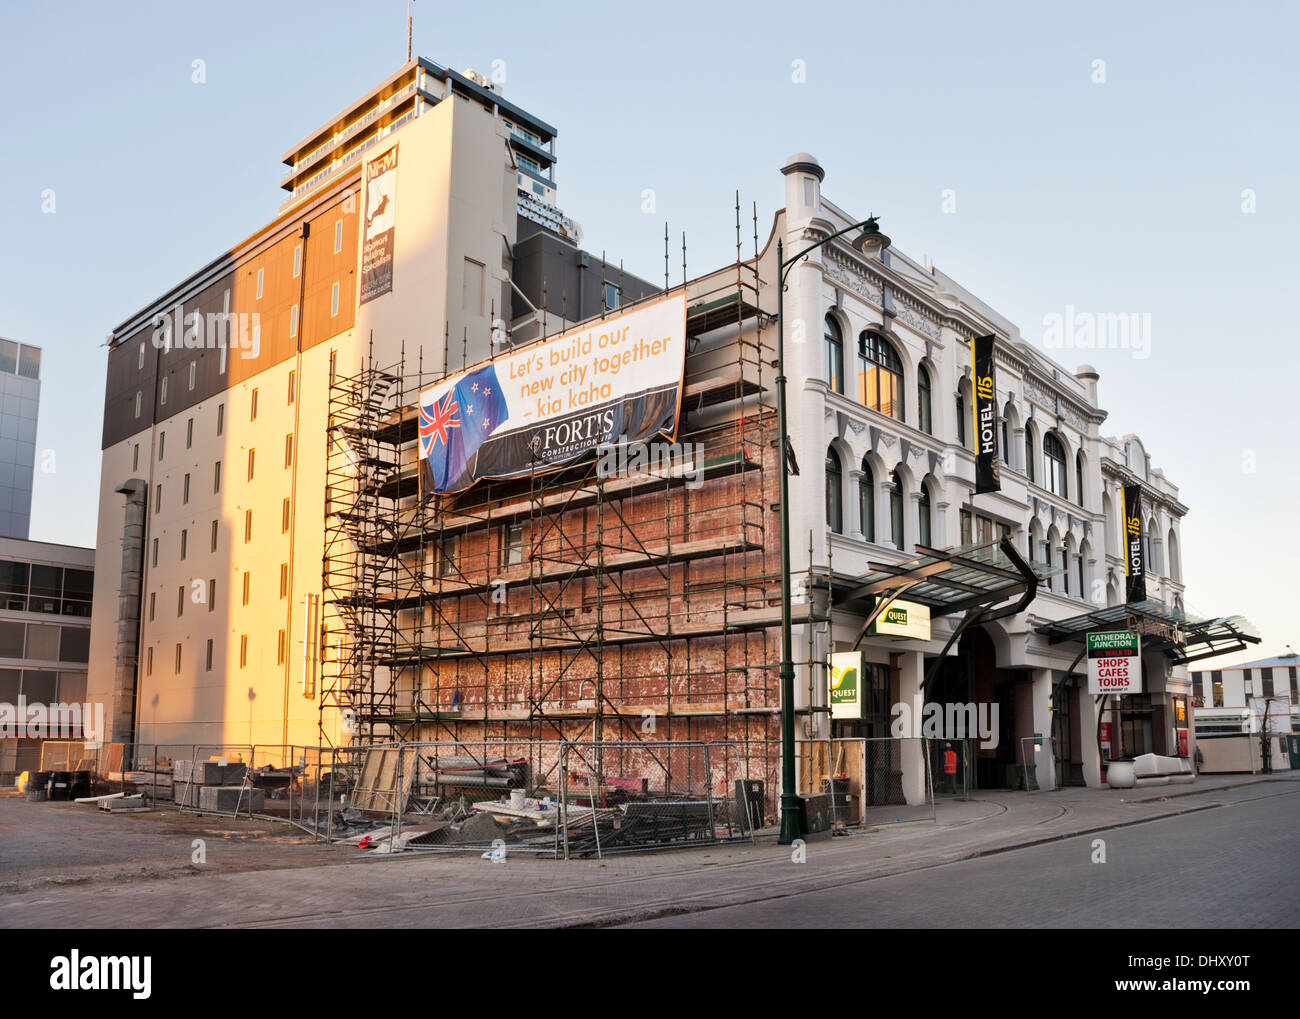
pixel 870 242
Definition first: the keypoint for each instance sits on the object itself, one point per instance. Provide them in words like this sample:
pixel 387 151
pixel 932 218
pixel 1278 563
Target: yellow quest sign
pixel 903 619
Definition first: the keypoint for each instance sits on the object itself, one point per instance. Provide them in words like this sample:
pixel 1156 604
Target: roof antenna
pixel 408 31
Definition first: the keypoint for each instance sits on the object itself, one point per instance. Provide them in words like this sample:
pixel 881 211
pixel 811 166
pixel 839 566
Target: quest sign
pixel 1114 662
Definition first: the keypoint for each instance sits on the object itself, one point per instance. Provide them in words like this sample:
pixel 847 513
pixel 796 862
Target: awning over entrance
pixel 970 579
pixel 949 580
pixel 1182 638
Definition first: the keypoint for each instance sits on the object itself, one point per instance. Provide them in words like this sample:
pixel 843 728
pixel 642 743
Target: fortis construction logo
pixel 77 972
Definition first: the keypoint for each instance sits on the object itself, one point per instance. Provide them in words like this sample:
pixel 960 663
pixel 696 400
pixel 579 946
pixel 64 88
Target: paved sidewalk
pixel 334 887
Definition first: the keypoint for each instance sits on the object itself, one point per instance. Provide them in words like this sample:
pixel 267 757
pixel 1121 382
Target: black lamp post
pixel 870 241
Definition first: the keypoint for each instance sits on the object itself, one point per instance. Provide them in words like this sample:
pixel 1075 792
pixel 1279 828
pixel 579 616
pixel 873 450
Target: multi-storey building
pixel 20 396
pixel 881 403
pixel 396 240
pixel 1222 697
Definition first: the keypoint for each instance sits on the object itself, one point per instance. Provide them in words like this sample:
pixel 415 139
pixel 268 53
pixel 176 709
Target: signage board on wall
pixel 1135 567
pixel 1114 662
pixel 543 406
pixel 984 407
pixel 378 226
pixel 903 619
pixel 844 678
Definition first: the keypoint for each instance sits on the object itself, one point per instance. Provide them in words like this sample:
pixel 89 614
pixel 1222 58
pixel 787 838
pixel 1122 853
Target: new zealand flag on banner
pixel 454 425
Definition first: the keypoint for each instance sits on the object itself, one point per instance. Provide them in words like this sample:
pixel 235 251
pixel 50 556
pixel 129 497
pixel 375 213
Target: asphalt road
pixel 1232 867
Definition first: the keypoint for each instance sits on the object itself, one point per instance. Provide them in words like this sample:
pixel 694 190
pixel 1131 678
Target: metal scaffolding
pixel 625 608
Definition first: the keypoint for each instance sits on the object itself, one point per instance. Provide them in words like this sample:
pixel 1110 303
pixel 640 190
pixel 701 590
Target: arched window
pixel 1054 464
pixel 834 355
pixel 923 515
pixel 1078 477
pixel 1029 453
pixel 1006 444
pixel 880 375
pixel 924 416
pixel 867 501
pixel 961 419
pixel 834 492
pixel 896 509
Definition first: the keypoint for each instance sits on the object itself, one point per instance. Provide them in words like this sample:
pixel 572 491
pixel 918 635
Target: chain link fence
pixel 566 799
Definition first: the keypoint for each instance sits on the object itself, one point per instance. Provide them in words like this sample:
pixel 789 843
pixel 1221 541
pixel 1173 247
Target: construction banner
pixel 984 407
pixel 539 408
pixel 1135 567
pixel 378 226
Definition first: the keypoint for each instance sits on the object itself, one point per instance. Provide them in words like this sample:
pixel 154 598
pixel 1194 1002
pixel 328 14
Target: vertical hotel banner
pixel 543 406
pixel 1135 567
pixel 378 226
pixel 984 407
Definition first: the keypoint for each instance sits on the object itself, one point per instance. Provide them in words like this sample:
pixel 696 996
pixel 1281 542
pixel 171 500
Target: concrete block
pixel 186 794
pixel 212 773
pixel 229 798
pixel 182 771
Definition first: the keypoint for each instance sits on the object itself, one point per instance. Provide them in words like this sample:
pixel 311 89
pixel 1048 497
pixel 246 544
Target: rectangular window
pixel 293 321
pixel 216 477
pixel 243 650
pixel 284 580
pixel 612 295
pixel 279 648
pixel 284 517
pixel 155 552
pixel 214 536
pixel 185 535
pixel 1266 682
pixel 185 489
pixel 248 526
pixel 293 384
pixel 139 361
pixel 162 444
pixel 148 661
pixel 157 499
pixel 247 585
pixel 178 658
pixel 180 601
pixel 212 595
pixel 208 660
pixel 252 406
pixel 297 261
pixel 135 457
pixel 288 450
pixel 334 360
pixel 189 433
pixel 338 236
pixel 162 390
pixel 260 275
pixel 334 300
pixel 153 604
pixel 1216 689
pixel 194 366
pixel 221 417
pixel 512 544
pixel 137 403
pixel 252 454
pixel 447 552
pixel 967 528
